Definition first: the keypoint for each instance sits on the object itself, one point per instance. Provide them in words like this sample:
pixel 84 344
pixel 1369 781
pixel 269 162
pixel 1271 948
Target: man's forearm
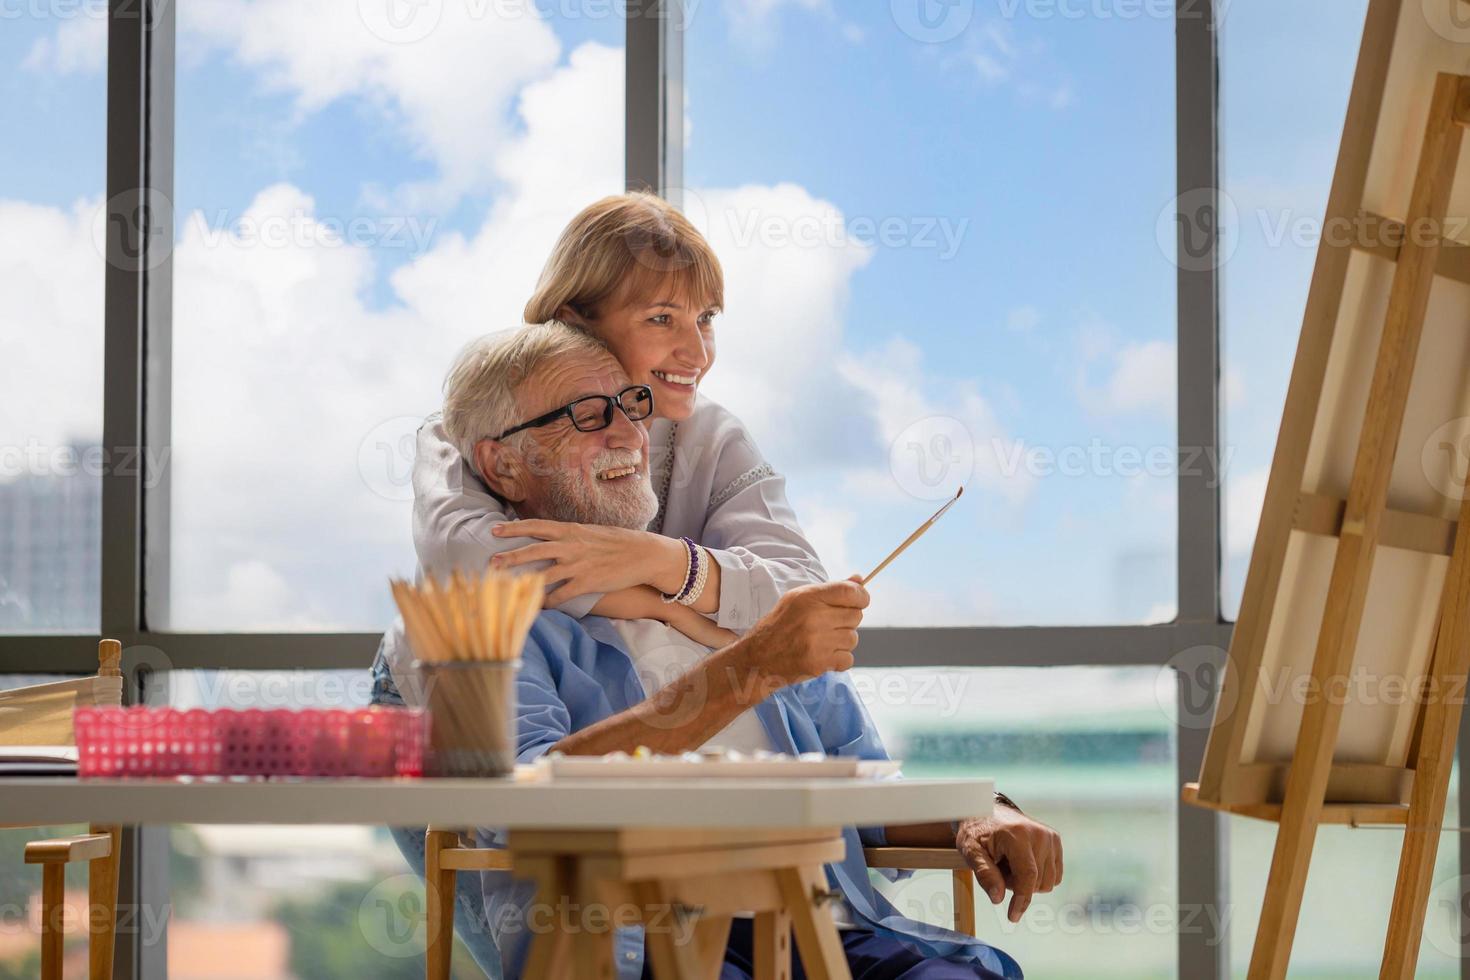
pixel 682 715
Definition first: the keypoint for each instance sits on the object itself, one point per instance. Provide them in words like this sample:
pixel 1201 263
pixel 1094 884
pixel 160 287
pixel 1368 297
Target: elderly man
pixel 551 423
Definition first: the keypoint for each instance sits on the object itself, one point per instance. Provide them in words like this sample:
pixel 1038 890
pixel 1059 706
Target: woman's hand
pixel 590 558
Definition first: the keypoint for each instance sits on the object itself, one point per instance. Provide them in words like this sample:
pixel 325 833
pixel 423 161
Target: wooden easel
pixel 1316 791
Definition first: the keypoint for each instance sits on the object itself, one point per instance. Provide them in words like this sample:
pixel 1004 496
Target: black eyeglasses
pixel 595 411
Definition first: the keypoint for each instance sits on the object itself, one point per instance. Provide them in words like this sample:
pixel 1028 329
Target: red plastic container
pixel 143 742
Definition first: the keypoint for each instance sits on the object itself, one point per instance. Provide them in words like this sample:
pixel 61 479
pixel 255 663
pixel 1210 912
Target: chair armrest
pixel 64 850
pixel 915 858
pixel 475 859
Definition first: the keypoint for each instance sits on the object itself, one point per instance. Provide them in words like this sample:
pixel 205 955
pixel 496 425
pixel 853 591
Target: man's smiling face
pixel 596 477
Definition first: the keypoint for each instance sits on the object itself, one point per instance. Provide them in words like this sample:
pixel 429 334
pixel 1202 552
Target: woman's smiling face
pixel 664 340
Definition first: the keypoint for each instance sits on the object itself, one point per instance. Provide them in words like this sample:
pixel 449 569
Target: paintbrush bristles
pixel 469 617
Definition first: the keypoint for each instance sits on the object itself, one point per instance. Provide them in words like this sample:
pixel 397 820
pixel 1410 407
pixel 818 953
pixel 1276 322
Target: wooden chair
pixel 42 715
pixel 446 853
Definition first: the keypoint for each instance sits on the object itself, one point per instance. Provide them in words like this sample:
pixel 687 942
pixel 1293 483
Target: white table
pixel 715 846
pixel 580 805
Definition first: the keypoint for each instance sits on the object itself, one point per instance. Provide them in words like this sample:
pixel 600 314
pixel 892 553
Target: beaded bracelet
pixel 690 575
pixel 701 577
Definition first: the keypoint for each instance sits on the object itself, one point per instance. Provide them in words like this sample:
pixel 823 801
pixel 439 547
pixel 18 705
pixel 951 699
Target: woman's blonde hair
pixel 621 247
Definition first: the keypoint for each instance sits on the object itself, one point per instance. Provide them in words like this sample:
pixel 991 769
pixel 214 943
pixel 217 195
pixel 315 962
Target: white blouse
pixel 713 487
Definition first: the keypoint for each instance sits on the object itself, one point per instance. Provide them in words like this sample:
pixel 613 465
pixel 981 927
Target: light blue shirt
pixel 576 673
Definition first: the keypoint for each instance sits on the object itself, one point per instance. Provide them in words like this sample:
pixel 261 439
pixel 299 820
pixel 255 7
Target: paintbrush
pixel 913 537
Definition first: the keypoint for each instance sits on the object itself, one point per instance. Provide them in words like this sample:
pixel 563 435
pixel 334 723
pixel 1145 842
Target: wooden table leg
pixel 594 950
pixel 712 936
pixel 439 895
pixel 102 897
pixel 550 956
pixel 53 918
pixel 772 945
pixel 668 933
pixel 963 883
pixel 822 955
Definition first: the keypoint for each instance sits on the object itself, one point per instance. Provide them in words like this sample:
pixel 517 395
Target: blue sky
pixel 1042 143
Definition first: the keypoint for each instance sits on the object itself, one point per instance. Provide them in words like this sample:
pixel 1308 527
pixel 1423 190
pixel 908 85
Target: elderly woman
pixel 632 271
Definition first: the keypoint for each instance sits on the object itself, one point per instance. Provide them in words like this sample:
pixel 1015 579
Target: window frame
pixel 136 415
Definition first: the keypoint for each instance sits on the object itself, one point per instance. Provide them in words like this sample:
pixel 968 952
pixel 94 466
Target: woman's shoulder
pixel 712 424
pixel 725 441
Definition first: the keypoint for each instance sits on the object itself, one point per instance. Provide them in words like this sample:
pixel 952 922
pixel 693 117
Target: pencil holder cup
pixel 472 717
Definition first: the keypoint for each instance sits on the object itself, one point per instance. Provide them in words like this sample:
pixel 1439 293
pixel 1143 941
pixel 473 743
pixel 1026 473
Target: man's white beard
pixel 628 503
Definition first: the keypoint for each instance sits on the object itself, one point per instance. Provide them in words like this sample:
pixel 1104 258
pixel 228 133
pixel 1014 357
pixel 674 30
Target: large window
pixel 1282 106
pixel 948 231
pixel 358 195
pixel 1088 751
pixel 944 268
pixel 52 87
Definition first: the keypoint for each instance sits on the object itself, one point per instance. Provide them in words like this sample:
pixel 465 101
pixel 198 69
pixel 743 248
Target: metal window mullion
pixel 881 646
pixel 139 237
pixel 1203 883
pixel 654 96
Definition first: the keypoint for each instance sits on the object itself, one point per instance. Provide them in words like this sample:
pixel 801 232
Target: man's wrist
pixel 1000 800
pixel 670 563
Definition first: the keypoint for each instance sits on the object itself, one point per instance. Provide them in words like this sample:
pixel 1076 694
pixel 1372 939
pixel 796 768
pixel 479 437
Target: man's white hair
pixel 480 389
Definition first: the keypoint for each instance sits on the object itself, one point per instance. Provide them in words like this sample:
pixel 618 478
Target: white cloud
pixel 79 46
pixel 900 397
pixel 1141 378
pixel 1245 493
pixel 447 93
pixel 286 363
pixel 51 306
pixel 999 59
